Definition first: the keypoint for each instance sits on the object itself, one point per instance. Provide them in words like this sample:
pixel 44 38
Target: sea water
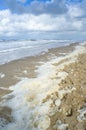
pixel 16 49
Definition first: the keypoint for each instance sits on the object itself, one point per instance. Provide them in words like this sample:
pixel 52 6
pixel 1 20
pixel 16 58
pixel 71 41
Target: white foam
pixel 25 72
pixel 29 110
pixel 61 126
pixel 2 75
pixel 4 88
pixel 58 102
pixel 14 49
pixel 62 53
pixel 83 43
pixel 82 115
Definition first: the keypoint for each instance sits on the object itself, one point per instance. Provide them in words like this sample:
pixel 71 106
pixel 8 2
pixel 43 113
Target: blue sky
pixel 3 5
pixel 26 2
pixel 19 18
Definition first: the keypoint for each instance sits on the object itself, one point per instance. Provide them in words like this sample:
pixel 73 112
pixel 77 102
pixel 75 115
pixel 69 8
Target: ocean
pixel 18 49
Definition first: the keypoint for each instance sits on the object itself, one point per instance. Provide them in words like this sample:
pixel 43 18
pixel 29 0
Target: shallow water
pixel 12 50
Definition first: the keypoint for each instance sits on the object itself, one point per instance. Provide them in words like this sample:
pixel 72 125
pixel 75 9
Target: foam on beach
pixel 2 75
pixel 82 114
pixel 29 110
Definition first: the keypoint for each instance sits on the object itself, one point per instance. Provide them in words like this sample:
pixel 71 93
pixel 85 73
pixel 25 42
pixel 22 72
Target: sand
pixel 68 115
pixel 74 101
pixel 16 70
pixel 30 64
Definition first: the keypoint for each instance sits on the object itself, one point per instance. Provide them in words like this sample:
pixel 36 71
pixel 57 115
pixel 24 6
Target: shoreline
pixel 15 70
pixel 26 67
pixel 54 100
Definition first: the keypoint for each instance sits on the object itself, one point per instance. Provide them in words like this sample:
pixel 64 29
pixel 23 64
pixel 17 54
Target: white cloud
pixel 75 11
pixel 17 25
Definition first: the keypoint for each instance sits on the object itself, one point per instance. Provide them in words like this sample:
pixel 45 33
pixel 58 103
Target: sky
pixel 45 19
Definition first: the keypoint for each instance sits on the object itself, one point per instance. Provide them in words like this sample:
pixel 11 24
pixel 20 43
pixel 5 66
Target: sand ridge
pixel 72 102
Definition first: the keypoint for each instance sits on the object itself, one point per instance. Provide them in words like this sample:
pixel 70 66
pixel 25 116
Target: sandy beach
pixel 72 102
pixel 26 67
pixel 54 99
pixel 42 64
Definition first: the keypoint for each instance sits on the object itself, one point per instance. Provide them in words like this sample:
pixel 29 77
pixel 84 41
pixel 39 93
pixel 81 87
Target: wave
pixel 14 49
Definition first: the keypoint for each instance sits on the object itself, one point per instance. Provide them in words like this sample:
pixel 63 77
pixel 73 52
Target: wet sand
pixel 26 67
pixel 71 102
pixel 17 68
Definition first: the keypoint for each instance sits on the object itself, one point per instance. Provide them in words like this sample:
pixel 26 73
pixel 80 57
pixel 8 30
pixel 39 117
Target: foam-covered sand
pixel 13 72
pixel 38 103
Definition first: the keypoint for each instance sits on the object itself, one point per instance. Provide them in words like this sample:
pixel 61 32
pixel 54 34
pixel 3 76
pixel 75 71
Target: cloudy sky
pixel 54 19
